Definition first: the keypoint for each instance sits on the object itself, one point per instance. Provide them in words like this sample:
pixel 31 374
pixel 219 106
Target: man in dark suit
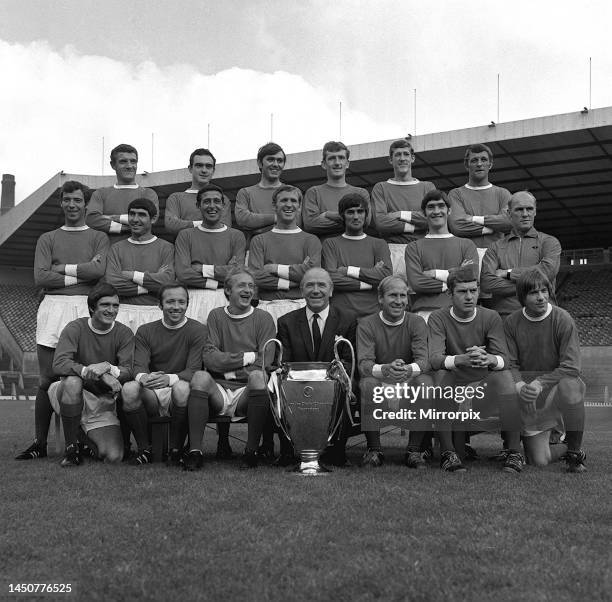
pixel 308 335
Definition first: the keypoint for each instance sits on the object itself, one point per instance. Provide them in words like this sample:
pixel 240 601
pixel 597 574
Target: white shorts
pixel 481 254
pixel 425 313
pixel 164 399
pixel 546 418
pixel 230 401
pixel 134 316
pixel 97 411
pixel 279 307
pixel 201 301
pixel 398 258
pixel 54 312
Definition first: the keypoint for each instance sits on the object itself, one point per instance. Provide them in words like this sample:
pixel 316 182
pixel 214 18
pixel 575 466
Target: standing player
pixel 356 262
pixel 397 204
pixel 181 209
pixel 430 260
pixel 205 254
pixel 108 209
pixel 93 358
pixel 545 361
pixel 468 348
pixel 254 210
pixel 234 358
pixel 67 263
pixel 479 208
pixel 139 266
pixel 524 247
pixel 320 212
pixel 168 353
pixel 281 257
pixel 391 348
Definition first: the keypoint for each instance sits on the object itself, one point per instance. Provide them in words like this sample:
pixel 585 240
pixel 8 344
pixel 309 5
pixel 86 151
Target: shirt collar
pixel 398 323
pixel 292 231
pixel 128 186
pixel 448 235
pixel 323 314
pixel 238 317
pixel 531 233
pixel 74 228
pixel 214 231
pixel 458 319
pixel 410 183
pixel 91 327
pixel 360 237
pixel 192 190
pixel 177 326
pixel 485 187
pixel 540 318
pixel 142 242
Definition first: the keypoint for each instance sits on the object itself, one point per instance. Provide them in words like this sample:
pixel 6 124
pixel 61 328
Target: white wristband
pixel 141 290
pixel 500 363
pixel 406 216
pixel 114 228
pixel 441 275
pixel 208 270
pixel 283 285
pixel 196 223
pixel 138 278
pixel 415 369
pixel 249 358
pixel 352 271
pixel 487 230
pixel 124 219
pixel 70 269
pixel 408 228
pixel 70 280
pixel 478 219
pixel 139 376
pixel 211 284
pixel 364 286
pixel 377 370
pixel 114 371
pixel 449 362
pixel 282 271
pixel 229 376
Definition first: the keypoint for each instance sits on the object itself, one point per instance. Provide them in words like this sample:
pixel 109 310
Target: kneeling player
pixel 468 348
pixel 93 357
pixel 545 361
pixel 167 354
pixel 392 348
pixel 234 357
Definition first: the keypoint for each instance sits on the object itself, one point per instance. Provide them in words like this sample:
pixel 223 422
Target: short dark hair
pixel 168 286
pixel 434 195
pixel 477 148
pixel 201 151
pixel 208 188
pixel 400 143
pixel 233 274
pixel 72 186
pixel 271 148
pixel 352 199
pixel 334 146
pixel 122 148
pixel 146 204
pixel 530 280
pixel 465 273
pixel 102 289
pixel 286 188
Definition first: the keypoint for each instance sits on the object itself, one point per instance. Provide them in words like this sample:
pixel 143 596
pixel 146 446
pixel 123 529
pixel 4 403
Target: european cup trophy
pixel 308 402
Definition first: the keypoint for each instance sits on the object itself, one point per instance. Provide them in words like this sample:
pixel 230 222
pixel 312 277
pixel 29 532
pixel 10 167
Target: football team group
pixel 440 291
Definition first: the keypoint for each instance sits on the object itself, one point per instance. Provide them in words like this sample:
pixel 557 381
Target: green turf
pixel 155 533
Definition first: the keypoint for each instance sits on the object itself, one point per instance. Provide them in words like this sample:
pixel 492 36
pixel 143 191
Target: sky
pixel 169 76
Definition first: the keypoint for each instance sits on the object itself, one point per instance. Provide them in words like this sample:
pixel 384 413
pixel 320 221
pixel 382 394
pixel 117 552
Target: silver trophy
pixel 308 400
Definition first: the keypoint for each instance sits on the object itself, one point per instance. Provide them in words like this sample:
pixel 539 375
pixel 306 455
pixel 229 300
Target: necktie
pixel 316 335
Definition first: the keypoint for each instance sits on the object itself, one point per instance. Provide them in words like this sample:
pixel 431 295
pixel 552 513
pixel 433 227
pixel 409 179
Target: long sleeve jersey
pixel 443 253
pixel 75 248
pixel 80 345
pixel 178 351
pixel 450 336
pixel 182 212
pixel 202 257
pixel 288 249
pixel 391 196
pixel 356 292
pixel 488 205
pixel 547 349
pixel 517 253
pixel 146 259
pixel 379 342
pixel 322 198
pixel 231 338
pixel 114 200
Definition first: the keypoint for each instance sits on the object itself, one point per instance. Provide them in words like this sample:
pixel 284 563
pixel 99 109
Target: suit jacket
pixel 294 334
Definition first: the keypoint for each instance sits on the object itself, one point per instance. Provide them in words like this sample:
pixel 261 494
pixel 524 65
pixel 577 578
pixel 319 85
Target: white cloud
pixel 61 104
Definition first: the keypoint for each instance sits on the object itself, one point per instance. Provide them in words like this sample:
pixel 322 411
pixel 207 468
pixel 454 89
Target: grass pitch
pixel 156 533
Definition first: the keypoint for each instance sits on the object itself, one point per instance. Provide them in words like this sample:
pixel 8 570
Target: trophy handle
pixel 349 381
pixel 275 405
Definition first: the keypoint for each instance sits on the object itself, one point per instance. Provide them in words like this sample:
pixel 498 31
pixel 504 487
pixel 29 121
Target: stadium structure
pixel 564 160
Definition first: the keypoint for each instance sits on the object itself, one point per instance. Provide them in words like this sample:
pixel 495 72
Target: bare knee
pixel 130 393
pixel 113 456
pixel 72 389
pixel 570 391
pixel 202 381
pixel 256 380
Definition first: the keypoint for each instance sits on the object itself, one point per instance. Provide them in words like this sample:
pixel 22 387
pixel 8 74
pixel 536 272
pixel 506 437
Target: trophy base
pixel 309 465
